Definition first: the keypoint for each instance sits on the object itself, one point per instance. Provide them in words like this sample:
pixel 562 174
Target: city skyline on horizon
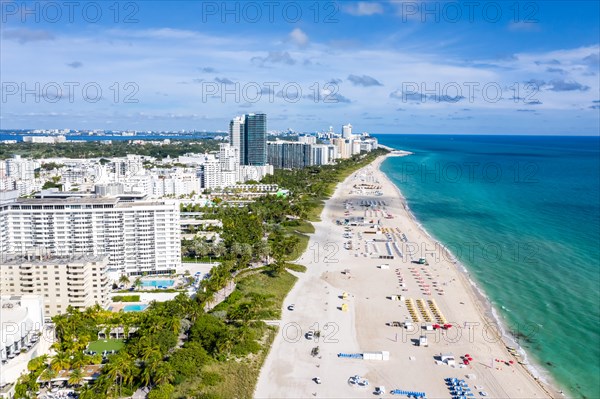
pixel 533 70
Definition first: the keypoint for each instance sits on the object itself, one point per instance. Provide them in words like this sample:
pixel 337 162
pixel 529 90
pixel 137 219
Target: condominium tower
pixel 139 237
pixel 248 133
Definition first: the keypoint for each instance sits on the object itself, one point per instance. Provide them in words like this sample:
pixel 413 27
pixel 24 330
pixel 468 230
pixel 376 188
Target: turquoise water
pixel 135 308
pixel 523 215
pixel 158 283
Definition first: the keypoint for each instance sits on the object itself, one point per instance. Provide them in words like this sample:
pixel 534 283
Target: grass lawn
pixel 105 345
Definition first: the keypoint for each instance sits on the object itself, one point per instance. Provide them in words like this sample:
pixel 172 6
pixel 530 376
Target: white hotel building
pixel 138 237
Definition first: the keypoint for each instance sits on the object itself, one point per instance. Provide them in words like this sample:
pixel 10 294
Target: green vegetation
pixel 262 293
pixel 51 166
pixel 105 345
pixel 126 298
pixel 97 149
pixel 301 226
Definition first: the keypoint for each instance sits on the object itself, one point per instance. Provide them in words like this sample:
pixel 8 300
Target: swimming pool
pixel 135 308
pixel 158 283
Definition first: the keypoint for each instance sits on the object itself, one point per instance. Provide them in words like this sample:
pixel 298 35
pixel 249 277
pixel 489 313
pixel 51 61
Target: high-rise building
pixel 254 141
pixel 138 237
pixel 289 154
pixel 347 131
pixel 248 133
pixel 344 147
pixel 236 132
pixel 320 154
pixel 229 157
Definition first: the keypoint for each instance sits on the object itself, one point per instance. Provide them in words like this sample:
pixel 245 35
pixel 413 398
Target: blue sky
pixel 386 67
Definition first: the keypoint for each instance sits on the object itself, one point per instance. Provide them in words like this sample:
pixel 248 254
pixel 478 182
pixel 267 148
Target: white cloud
pixel 363 8
pixel 298 37
pixel 175 56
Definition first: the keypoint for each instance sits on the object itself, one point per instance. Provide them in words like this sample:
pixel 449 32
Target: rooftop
pixel 88 201
pixel 72 200
pixel 23 259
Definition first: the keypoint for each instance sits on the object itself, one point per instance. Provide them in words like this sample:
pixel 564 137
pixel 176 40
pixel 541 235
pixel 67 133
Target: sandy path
pixel 289 368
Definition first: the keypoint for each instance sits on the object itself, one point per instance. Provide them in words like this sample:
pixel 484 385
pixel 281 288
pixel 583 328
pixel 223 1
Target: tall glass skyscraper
pixel 254 141
pixel 248 133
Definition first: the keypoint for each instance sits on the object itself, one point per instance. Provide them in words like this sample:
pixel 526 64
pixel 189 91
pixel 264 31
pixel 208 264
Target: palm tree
pixel 48 375
pixel 263 250
pixel 138 282
pixel 36 363
pixel 173 323
pixel 96 359
pixel 218 249
pixel 76 377
pixel 61 361
pixel 124 279
pixel 79 359
pixel 120 369
pixel 163 374
pixel 87 392
pixel 146 375
pixel 150 353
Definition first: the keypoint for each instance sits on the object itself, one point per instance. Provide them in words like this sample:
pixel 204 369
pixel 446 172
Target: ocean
pixel 522 214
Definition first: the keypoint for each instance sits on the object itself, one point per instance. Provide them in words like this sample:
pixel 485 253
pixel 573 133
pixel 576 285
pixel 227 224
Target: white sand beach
pixel 365 325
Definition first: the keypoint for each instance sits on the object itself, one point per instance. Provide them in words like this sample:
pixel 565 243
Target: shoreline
pixel 357 306
pixel 483 302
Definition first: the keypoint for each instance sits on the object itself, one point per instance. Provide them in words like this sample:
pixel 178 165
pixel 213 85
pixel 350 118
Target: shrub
pixel 126 298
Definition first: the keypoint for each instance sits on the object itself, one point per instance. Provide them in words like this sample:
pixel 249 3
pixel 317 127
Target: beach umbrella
pixel 511 361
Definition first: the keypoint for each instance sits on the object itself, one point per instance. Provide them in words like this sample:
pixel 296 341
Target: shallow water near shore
pixel 523 215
